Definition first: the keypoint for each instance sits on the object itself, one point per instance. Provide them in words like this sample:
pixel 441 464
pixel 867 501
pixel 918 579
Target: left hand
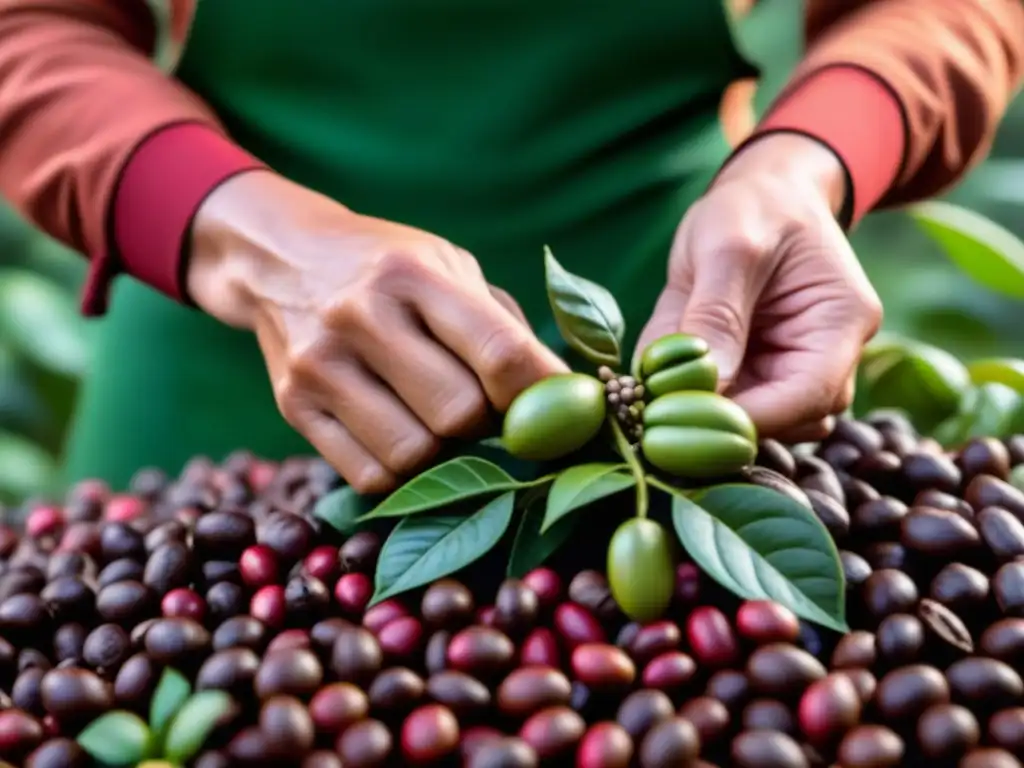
pixel 762 271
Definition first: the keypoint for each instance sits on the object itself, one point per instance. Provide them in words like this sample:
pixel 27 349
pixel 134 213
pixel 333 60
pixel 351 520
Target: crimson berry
pixel 268 605
pixel 258 566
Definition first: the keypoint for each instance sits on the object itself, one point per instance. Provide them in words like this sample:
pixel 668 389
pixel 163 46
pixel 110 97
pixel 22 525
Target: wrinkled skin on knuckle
pixel 371 479
pixel 408 452
pixel 462 412
pixel 720 318
pixel 504 352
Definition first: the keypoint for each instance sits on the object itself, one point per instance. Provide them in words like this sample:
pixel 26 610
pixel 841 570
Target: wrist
pixel 805 162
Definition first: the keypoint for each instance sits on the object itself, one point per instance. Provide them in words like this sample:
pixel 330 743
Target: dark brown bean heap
pixel 225 574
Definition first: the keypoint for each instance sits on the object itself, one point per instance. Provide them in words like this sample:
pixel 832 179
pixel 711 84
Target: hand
pixel 761 270
pixel 380 339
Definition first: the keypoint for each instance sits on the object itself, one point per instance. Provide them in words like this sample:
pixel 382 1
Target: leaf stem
pixel 629 456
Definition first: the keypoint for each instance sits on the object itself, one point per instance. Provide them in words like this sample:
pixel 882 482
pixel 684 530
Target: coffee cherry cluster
pixel 226 575
pixel 625 398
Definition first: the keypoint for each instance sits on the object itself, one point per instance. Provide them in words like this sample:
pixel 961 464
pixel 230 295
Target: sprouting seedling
pixel 180 721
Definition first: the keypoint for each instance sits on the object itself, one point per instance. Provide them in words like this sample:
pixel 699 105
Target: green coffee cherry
pixel 671 350
pixel 699 409
pixel 698 435
pixel 641 569
pixel 554 417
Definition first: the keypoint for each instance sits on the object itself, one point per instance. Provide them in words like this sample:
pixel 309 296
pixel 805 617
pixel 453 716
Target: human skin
pixel 381 339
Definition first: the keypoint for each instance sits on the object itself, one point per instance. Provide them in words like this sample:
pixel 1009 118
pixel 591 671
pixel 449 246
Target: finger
pixel 377 418
pixel 437 387
pixel 504 354
pixel 343 452
pixel 808 433
pixel 504 298
pixel 668 310
pixel 721 303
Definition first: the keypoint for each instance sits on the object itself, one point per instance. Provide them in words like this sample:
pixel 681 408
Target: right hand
pixel 380 339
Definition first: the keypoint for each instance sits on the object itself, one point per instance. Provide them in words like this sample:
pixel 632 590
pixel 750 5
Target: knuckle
pixel 397 265
pixel 349 312
pixel 717 318
pixel 371 479
pixel 460 413
pixel 408 452
pixel 504 351
pixel 286 394
pixel 872 312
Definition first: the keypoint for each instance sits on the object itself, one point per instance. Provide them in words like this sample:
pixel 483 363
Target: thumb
pixel 664 320
pixel 719 309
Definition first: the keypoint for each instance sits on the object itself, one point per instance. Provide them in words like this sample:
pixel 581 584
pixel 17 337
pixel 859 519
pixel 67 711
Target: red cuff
pixel 854 113
pixel 162 185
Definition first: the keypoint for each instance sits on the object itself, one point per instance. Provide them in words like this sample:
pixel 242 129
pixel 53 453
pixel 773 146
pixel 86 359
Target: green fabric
pixel 502 126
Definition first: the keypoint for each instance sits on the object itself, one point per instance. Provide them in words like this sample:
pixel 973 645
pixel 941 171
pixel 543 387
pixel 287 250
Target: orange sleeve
pixel 908 93
pixel 78 96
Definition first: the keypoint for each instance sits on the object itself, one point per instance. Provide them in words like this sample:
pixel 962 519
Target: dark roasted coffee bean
pixel 224 601
pixel 590 589
pixel 928 471
pixel 58 753
pixel 855 650
pixel 709 716
pixel 359 553
pixel 126 603
pixel 981 682
pixel 463 694
pixel 886 554
pixel 176 641
pixel 840 456
pixel 1006 730
pixel 223 535
pixel 337 706
pixel 356 656
pixel 815 474
pixel 652 640
pixel 988 491
pixel 68 598
pixel 447 604
pixel 905 693
pixel 162 533
pixel 672 742
pixel 19 581
pixel 135 682
pixel 767 478
pixel 367 743
pixel 947 501
pixel 782 670
pixel 642 710
pixel 889 591
pixel 306 598
pixel 69 641
pixel 119 540
pixel 670 671
pixel 947 731
pixel 240 632
pixel 900 639
pixel 871 746
pixel 1002 532
pixel 75 696
pixel 232 670
pixel 287 726
pixel 942 623
pixel 515 608
pixel 960 587
pixel 511 752
pixel 773 455
pixel 169 566
pixel 769 715
pixel 20 734
pixel 106 648
pixel 730 687
pixel 435 656
pixel 1008 586
pixel 881 469
pixel 1004 640
pixel 324 633
pixel 27 692
pixel 125 569
pixel 431 733
pixel 293 672
pixel 857 492
pixel 530 689
pixel 480 651
pixel 767 749
pixel 989 757
pixel 879 518
pixel 220 571
pixel 828 709
pixel 831 513
pixel 604 744
pixel 553 732
pixel 24 618
pixel 290 536
pixel 855 568
pixel 984 456
pixel 938 532
pixel 70 563
pixel 396 690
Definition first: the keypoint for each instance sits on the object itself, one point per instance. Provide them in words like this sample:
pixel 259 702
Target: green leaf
pixel 194 723
pixel 457 480
pixel 25 468
pixel 983 250
pixel 424 548
pixel 989 410
pixel 586 313
pixel 531 548
pixel 762 545
pixel 1000 370
pixel 1017 477
pixel 171 692
pixel 342 509
pixel 116 738
pixel 42 319
pixel 581 485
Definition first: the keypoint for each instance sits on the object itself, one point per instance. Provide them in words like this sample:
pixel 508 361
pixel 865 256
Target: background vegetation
pixel 44 343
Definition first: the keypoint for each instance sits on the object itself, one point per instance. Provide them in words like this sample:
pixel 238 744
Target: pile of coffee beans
pixel 224 574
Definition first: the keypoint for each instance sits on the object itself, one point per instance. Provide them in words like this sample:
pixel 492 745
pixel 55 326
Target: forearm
pixel 907 93
pixel 89 124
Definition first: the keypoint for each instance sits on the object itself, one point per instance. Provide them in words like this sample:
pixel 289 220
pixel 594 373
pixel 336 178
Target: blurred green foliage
pixel 44 343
